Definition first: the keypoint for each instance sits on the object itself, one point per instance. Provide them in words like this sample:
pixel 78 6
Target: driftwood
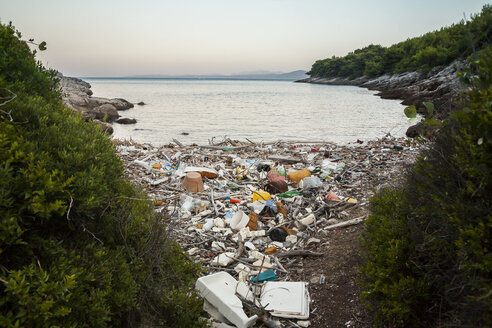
pixel 299 252
pixel 345 223
pixel 178 143
pixel 285 159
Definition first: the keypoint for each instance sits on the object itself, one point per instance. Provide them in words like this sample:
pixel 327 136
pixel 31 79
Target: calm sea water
pixel 258 110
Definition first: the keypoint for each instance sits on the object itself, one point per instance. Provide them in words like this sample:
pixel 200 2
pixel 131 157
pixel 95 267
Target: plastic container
pixel 208 225
pixel 267 275
pixel 297 176
pixel 188 203
pixel 220 290
pixel 239 220
pixel 193 182
pixel 278 234
pixel 261 195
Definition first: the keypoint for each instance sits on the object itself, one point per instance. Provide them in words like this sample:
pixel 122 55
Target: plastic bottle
pixel 289 194
pixel 188 202
pixel 180 170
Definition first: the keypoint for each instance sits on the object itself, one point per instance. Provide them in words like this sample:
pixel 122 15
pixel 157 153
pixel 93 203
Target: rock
pixel 121 104
pixel 107 111
pixel 440 86
pixel 141 103
pixel 126 120
pixel 106 127
pixel 77 95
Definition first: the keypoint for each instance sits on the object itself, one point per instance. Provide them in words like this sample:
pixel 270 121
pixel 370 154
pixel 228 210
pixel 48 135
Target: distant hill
pixel 290 76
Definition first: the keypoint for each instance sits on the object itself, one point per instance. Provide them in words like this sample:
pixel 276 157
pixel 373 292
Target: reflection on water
pixel 257 110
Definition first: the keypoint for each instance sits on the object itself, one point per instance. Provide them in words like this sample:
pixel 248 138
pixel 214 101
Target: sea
pixel 204 110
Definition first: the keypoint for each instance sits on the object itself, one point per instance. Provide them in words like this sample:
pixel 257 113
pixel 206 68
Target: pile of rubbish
pixel 249 211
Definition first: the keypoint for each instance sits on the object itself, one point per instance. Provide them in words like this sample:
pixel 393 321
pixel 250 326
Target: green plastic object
pixel 232 186
pixel 289 194
pixel 228 148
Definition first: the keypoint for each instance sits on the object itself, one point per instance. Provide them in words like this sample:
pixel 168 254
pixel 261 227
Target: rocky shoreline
pixel 77 95
pixel 441 86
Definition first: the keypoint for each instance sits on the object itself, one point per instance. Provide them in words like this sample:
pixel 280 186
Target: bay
pixel 254 109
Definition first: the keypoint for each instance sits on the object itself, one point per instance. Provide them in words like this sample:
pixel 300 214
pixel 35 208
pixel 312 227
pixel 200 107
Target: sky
pixel 122 38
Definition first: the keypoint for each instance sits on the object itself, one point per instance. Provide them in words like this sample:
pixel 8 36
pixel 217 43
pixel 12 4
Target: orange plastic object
pixel 297 176
pixel 289 231
pixel 193 182
pixel 157 166
pixel 204 171
pixel 281 209
pixel 253 222
pixel 159 202
pixel 271 250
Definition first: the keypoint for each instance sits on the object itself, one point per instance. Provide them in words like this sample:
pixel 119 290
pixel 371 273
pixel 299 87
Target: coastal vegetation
pixel 422 53
pixel 79 245
pixel 426 247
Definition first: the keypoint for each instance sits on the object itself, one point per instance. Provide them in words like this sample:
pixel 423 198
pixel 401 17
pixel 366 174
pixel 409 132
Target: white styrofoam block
pixel 224 259
pixel 214 313
pixel 286 299
pixel 219 289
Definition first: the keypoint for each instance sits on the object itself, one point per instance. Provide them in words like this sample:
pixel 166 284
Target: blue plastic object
pixel 268 275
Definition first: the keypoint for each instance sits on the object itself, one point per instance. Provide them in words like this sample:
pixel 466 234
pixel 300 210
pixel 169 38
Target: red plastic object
pixel 332 196
pixel 234 200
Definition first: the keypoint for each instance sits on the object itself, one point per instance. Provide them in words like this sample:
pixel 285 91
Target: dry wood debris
pixel 279 227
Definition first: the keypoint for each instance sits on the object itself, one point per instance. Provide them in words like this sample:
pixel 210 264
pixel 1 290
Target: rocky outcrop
pixel 441 86
pixel 126 120
pixel 77 95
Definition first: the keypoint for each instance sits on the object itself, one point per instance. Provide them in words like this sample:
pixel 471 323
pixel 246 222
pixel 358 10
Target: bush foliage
pixel 427 245
pixel 79 245
pixel 421 53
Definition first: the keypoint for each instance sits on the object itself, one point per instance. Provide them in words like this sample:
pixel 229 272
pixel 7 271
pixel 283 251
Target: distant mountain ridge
pixel 290 76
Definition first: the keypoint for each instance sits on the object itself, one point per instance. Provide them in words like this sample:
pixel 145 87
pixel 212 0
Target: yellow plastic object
pixel 297 176
pixel 350 200
pixel 157 166
pixel 263 195
pixel 239 173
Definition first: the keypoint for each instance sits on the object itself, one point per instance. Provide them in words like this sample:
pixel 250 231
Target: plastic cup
pixel 239 220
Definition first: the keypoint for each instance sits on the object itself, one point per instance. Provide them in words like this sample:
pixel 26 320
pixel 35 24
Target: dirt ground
pixel 335 302
pixel 332 277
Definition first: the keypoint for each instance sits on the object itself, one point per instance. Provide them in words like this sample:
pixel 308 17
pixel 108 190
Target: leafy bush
pixel 427 245
pixel 79 245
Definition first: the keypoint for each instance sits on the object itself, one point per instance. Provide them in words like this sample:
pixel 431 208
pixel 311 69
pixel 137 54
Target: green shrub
pixel 427 245
pixel 79 245
pixel 422 53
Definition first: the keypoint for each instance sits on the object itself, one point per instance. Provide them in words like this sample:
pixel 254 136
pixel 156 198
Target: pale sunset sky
pixel 121 38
